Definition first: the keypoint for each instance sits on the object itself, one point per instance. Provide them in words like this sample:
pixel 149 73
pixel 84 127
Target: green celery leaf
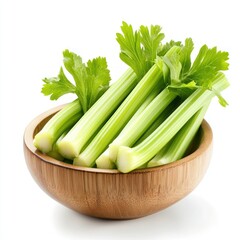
pixel 184 79
pixel 206 65
pixel 91 80
pixel 57 86
pixel 167 46
pixel 151 39
pixel 139 48
pixel 185 56
pixel 183 90
pixel 73 63
pixel 98 79
pixel 131 50
pixel 180 62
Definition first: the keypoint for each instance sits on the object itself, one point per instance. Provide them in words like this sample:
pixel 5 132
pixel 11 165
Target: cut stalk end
pixel 83 161
pixel 125 159
pixel 44 142
pixel 155 163
pixel 113 151
pixel 104 161
pixel 67 149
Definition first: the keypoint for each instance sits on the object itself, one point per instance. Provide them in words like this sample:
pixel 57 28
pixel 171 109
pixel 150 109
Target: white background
pixel 32 38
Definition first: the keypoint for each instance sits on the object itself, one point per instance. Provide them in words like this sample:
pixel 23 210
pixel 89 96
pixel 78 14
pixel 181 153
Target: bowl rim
pixel 28 142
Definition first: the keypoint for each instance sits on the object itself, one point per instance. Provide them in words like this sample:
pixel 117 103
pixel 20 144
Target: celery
pixel 109 131
pixel 93 119
pixel 161 118
pixel 57 125
pixel 104 158
pixel 132 158
pixel 142 123
pixel 177 59
pixel 91 81
pixel 178 146
pixel 54 153
pixel 104 161
pixel 148 117
pixel 138 50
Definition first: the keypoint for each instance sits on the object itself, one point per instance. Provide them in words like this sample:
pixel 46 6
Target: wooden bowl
pixel 109 193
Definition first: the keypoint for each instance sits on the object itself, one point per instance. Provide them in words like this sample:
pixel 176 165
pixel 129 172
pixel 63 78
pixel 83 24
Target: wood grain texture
pixel 109 193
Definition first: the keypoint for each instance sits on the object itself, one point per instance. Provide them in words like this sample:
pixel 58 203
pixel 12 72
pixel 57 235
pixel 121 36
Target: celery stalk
pixel 86 127
pixel 178 146
pixel 104 161
pixel 142 123
pixel 161 118
pixel 138 50
pixel 132 158
pixel 152 80
pixel 57 125
pixel 55 153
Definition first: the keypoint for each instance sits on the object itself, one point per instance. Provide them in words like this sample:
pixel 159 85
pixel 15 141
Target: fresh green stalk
pixel 132 158
pixel 57 125
pixel 141 123
pixel 91 81
pixel 103 161
pixel 178 146
pixel 152 80
pixel 71 145
pixel 163 116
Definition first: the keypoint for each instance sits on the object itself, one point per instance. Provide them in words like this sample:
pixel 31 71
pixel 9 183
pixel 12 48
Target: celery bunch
pixel 148 117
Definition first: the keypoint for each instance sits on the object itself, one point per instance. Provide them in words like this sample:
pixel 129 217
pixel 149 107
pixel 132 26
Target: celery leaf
pixel 98 79
pixel 150 39
pixel 57 86
pixel 91 80
pixel 185 56
pixel 163 49
pixel 139 48
pixel 206 65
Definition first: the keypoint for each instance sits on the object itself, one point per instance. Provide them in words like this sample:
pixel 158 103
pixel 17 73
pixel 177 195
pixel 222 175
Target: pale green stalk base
pixel 44 141
pixel 104 161
pixel 113 150
pixel 56 126
pixel 178 146
pixel 92 120
pixel 127 159
pixel 55 153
